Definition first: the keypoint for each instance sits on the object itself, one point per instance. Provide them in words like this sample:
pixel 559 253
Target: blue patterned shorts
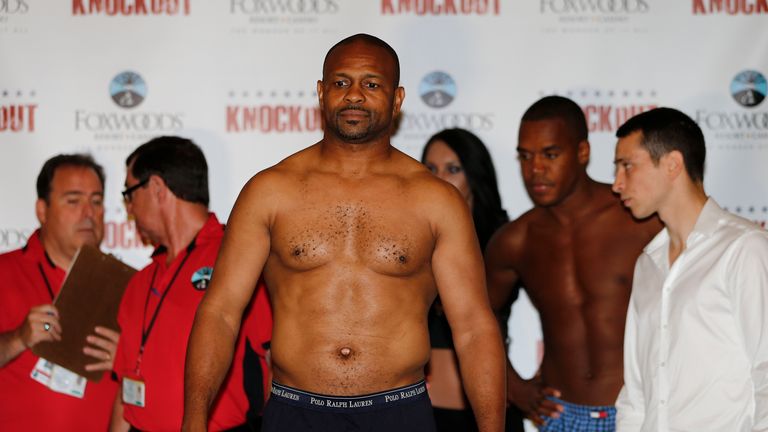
pixel 581 418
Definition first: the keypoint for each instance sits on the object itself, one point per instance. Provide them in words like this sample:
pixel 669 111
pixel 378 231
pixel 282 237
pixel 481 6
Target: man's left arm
pixel 458 270
pixel 748 271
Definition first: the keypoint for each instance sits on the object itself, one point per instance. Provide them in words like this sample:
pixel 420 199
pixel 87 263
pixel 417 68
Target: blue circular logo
pixel 437 89
pixel 201 278
pixel 128 89
pixel 749 88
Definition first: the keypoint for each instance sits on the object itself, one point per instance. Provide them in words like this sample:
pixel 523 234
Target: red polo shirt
pixel 25 404
pixel 162 363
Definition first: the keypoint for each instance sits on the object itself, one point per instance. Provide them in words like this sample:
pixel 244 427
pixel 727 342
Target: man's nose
pixel 618 182
pixel 354 95
pixel 88 210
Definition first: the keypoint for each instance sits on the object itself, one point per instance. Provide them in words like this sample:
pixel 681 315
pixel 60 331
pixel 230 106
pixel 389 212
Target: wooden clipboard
pixel 89 297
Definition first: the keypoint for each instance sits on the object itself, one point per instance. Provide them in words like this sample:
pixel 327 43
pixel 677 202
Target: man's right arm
pixel 528 395
pixel 244 251
pixel 30 332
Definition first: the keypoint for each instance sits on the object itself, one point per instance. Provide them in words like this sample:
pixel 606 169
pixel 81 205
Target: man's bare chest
pixel 386 238
pixel 577 262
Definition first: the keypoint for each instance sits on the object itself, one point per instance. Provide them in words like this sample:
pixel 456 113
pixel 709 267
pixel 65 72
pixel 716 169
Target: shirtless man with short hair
pixel 574 253
pixel 355 239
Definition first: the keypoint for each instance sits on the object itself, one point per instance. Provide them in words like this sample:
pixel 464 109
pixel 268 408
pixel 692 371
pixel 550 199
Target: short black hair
pixel 665 130
pixel 50 166
pixel 487 212
pixel 178 161
pixel 559 107
pixel 369 39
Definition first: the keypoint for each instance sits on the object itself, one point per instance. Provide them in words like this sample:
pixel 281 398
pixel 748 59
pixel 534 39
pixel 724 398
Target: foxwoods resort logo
pixel 10 7
pixel 744 128
pixel 437 89
pixel 11 12
pixel 284 7
pixel 589 16
pixel 14 237
pixel 128 89
pixel 280 17
pixel 749 88
pixel 202 278
pixel 594 6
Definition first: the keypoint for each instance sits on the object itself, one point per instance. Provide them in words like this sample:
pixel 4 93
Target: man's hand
pixel 103 348
pixel 531 397
pixel 41 324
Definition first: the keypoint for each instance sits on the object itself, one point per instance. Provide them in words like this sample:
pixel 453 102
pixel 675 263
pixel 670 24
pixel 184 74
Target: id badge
pixel 58 379
pixel 42 371
pixel 65 381
pixel 134 391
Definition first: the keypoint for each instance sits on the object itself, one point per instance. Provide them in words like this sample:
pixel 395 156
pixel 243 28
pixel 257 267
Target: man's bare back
pixel 350 273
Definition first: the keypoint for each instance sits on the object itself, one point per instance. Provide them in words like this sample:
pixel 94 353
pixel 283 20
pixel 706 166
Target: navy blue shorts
pixel 405 409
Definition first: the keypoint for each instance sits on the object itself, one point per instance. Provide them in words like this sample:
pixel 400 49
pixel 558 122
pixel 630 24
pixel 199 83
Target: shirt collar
pixel 211 230
pixel 708 220
pixel 705 226
pixel 34 249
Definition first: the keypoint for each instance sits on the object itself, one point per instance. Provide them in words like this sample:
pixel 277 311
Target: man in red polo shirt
pixel 70 192
pixel 167 195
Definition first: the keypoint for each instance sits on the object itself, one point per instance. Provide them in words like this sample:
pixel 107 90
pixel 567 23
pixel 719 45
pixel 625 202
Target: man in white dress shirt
pixel 696 342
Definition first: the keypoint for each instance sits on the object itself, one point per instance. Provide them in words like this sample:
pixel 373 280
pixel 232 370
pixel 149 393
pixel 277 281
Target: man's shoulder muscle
pixel 509 241
pixel 436 197
pixel 274 181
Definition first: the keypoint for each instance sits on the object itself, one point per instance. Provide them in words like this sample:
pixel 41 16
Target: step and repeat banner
pixel 239 76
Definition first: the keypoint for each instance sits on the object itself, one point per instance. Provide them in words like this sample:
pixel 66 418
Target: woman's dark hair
pixel 481 177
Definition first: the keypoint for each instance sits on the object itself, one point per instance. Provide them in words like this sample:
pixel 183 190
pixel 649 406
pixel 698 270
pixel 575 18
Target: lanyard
pixel 45 279
pixel 42 273
pixel 146 330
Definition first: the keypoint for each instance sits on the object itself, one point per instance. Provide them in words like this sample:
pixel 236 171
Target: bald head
pixel 367 39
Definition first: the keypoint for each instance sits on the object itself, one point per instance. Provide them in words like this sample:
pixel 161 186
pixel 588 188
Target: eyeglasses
pixel 128 191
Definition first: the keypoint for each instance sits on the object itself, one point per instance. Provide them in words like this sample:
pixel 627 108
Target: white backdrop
pixel 238 77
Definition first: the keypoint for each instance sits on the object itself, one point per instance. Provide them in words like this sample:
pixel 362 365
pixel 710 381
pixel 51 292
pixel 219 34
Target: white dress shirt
pixel 696 340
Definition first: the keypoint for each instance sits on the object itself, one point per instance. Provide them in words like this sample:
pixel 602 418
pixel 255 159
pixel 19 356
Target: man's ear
pixel 41 210
pixel 673 164
pixel 157 187
pixel 320 94
pixel 582 152
pixel 399 96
